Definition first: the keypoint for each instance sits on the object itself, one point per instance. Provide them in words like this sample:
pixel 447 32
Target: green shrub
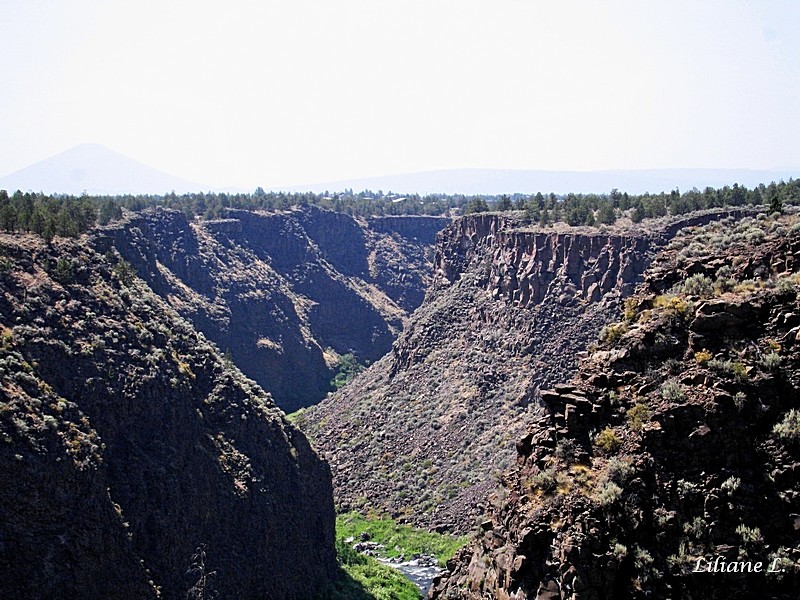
pixel 698 285
pixel 672 391
pixel 608 493
pixel 619 551
pixel 729 367
pixel 643 562
pixel 785 285
pixel 675 306
pixel 566 450
pixel 63 272
pixel 607 440
pixel 346 555
pixel 364 578
pixel 789 427
pixel 545 480
pixel 771 361
pixel 125 272
pixel 724 282
pixel 611 333
pixel 349 367
pixel 749 535
pixel 731 484
pixel 619 471
pixel 638 415
pixel 631 308
pixel 696 528
pixel 703 356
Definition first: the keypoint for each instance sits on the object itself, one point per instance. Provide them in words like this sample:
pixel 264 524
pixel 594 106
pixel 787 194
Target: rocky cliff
pixel 674 449
pixel 287 293
pixel 424 433
pixel 127 442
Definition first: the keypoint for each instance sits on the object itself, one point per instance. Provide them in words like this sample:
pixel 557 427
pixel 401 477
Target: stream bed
pixel 420 571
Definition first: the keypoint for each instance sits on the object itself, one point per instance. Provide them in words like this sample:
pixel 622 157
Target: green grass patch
pixel 364 578
pixel 297 418
pixel 399 539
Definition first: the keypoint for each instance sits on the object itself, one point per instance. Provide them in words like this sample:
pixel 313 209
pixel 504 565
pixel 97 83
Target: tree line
pixel 595 209
pixel 69 216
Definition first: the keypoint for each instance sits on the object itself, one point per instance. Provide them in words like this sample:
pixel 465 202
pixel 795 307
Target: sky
pixel 289 92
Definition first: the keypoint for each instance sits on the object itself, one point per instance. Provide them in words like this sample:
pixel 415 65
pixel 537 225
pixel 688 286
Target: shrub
pixel 724 282
pixel 749 285
pixel 686 488
pixel 698 285
pixel 789 427
pixel 631 307
pixel 544 480
pixel 703 356
pixel 611 333
pixel 696 528
pixel 785 285
pixel 771 361
pixel 681 558
pixel 619 471
pixel 349 367
pixel 676 306
pixel 125 272
pixel 673 365
pixel 63 272
pixel 609 493
pixel 737 369
pixel 730 485
pixel 750 535
pixel 620 551
pixel 782 559
pixel 6 337
pixel 643 562
pixel 607 440
pixel 739 399
pixel 566 450
pixel 672 391
pixel 637 415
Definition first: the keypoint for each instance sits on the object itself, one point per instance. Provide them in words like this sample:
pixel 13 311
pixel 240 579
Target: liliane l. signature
pixel 721 565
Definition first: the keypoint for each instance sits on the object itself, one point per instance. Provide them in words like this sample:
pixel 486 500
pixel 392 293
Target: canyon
pixel 596 406
pixel 286 293
pixel 426 432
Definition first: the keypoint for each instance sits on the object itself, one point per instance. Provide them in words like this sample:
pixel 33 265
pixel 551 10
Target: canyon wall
pixel 128 443
pixel 287 293
pixel 673 449
pixel 424 433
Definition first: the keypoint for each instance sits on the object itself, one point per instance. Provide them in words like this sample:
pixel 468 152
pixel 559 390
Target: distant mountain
pixel 494 181
pixel 95 169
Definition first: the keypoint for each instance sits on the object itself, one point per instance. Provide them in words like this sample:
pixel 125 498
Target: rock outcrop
pixel 127 442
pixel 522 265
pixel 287 293
pixel 675 449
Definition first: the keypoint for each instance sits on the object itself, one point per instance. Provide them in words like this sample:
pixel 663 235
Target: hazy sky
pixel 298 91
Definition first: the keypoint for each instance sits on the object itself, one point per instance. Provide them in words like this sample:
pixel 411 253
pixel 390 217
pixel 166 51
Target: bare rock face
pixel 287 292
pixel 523 266
pixel 127 443
pixel 673 450
pixel 424 433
